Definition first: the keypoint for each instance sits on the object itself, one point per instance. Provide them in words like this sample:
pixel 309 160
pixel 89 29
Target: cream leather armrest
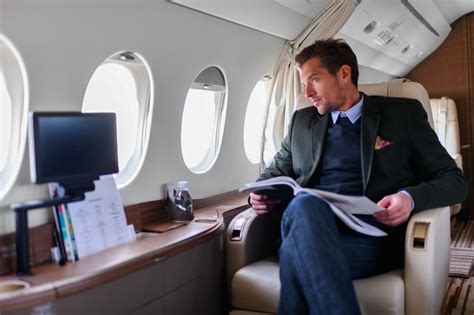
pixel 427 250
pixel 458 159
pixel 250 237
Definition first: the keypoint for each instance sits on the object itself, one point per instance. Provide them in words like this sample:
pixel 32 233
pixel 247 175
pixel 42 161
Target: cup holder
pixel 205 220
pixel 11 286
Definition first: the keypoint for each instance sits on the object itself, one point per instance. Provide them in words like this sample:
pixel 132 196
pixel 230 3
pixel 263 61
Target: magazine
pixel 343 206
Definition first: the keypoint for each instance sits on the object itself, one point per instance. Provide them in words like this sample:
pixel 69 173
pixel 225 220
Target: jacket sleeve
pixel 282 163
pixel 441 181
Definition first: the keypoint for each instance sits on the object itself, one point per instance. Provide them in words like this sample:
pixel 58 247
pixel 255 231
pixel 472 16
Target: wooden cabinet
pixel 188 283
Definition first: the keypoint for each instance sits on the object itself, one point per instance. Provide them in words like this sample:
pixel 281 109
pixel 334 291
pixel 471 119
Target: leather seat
pixel 417 289
pixel 446 125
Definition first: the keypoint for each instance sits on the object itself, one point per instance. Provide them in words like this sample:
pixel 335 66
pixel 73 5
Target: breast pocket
pixel 390 158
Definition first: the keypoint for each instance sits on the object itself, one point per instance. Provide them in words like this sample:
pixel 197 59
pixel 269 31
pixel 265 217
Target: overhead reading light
pixel 370 27
pixel 127 56
pixel 406 49
pixel 267 77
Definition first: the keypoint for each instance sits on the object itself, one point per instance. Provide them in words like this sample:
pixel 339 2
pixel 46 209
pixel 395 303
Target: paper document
pixel 343 206
pixel 99 220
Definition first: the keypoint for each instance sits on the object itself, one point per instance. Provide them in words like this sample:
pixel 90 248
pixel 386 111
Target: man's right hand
pixel 262 204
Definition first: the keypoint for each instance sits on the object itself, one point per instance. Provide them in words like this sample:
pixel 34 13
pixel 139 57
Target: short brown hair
pixel 332 54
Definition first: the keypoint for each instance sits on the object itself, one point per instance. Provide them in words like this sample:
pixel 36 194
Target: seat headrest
pixel 451 113
pixel 401 88
pixel 302 101
pixel 393 88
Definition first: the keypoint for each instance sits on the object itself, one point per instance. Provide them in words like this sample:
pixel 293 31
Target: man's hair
pixel 332 54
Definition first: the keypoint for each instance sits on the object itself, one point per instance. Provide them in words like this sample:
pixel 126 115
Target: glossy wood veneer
pixel 50 282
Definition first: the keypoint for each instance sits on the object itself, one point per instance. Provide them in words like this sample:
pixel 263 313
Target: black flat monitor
pixel 72 148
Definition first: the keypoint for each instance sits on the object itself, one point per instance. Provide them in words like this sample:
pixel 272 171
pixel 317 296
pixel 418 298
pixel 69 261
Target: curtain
pixel 285 87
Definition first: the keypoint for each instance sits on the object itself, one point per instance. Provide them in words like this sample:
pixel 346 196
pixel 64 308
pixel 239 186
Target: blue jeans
pixel 319 257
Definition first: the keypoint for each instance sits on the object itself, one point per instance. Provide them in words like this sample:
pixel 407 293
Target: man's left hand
pixel 397 209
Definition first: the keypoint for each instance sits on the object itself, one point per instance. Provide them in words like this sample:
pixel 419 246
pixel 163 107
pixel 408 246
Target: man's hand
pixel 262 204
pixel 397 209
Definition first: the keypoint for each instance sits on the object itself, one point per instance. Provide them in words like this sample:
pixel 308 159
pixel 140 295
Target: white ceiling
pixel 415 27
pixel 454 9
pixel 287 18
pixel 282 18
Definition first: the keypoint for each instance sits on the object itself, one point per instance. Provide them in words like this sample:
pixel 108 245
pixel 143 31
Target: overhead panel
pixel 281 18
pixel 394 36
pixel 308 8
pixel 454 9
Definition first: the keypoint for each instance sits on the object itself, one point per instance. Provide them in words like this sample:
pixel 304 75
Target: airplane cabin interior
pixel 127 129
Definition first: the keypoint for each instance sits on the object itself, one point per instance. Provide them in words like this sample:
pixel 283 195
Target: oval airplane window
pixel 14 102
pixel 122 84
pixel 202 125
pixel 254 119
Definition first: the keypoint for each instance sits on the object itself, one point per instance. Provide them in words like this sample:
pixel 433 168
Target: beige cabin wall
pixel 63 42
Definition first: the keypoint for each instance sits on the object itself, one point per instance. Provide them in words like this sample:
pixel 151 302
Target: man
pixel 352 144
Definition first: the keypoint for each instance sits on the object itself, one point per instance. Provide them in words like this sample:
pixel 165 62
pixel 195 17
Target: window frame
pixel 19 118
pixel 218 126
pixel 266 80
pixel 145 114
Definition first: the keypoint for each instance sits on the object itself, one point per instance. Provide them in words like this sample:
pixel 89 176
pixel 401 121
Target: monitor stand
pixel 21 234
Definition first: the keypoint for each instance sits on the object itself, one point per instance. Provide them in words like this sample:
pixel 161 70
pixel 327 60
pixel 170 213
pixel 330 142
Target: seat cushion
pixel 256 287
pixel 382 294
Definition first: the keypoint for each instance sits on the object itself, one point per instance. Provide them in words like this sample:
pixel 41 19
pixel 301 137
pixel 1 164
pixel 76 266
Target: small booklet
pixel 343 206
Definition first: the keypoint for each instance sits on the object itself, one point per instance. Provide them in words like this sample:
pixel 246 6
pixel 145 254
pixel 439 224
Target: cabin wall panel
pixel 188 283
pixel 63 42
pixel 449 72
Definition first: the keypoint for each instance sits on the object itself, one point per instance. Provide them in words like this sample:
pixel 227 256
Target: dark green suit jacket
pixel 415 160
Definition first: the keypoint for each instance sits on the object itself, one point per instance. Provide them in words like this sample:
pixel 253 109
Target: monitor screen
pixel 72 146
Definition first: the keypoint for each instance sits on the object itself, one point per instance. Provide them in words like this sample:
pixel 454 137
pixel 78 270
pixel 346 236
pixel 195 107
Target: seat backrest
pixel 446 124
pixel 401 88
pixel 393 88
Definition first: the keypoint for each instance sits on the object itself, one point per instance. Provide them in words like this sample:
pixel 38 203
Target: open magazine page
pixel 268 183
pixel 350 204
pixel 282 187
pixel 343 206
pixel 355 223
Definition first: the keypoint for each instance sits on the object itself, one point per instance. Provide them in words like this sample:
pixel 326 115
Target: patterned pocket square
pixel 380 143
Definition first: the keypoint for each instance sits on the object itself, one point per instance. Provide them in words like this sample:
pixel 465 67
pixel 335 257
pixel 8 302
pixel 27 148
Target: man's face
pixel 322 88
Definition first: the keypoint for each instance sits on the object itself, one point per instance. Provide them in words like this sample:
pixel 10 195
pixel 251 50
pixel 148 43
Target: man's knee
pixel 308 219
pixel 306 206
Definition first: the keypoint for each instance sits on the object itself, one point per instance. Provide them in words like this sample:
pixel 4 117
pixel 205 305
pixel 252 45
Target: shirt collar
pixel 352 113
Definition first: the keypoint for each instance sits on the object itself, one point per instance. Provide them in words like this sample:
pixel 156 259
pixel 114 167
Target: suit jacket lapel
pixel 369 129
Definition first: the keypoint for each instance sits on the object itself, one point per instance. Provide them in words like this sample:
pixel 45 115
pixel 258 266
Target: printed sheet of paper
pixel 343 206
pixel 99 221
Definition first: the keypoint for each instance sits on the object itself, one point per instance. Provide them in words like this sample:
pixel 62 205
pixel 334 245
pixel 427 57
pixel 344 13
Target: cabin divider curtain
pixel 286 87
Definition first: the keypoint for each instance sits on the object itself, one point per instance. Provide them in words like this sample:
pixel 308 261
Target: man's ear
pixel 344 73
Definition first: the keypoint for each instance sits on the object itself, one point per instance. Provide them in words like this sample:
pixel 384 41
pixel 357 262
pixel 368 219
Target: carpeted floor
pixel 459 298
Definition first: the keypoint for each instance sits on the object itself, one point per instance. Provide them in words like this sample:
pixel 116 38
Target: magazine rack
pixel 21 233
